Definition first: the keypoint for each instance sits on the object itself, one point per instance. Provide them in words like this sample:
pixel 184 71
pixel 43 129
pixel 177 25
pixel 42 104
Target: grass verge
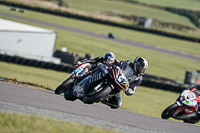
pixel 22 123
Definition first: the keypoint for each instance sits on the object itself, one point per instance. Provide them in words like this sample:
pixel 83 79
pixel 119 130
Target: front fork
pixel 179 109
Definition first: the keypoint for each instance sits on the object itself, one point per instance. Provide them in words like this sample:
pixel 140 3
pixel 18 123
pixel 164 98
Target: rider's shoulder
pixel 99 58
pixel 126 62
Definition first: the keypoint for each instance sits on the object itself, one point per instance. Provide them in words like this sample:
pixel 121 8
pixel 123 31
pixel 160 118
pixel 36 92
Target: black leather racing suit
pixel 134 80
pixel 126 67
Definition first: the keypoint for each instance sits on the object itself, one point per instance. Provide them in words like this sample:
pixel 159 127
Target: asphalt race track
pixel 16 98
pixel 129 42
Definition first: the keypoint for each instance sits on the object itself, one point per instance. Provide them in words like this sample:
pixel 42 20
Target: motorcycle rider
pixel 133 72
pixel 109 60
pixel 196 90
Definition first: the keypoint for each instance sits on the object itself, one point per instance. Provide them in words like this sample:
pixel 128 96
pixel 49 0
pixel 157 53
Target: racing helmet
pixel 109 58
pixel 140 65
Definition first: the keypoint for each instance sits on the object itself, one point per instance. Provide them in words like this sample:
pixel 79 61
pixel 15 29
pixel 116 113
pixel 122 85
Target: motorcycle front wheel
pixel 167 113
pixel 68 94
pixel 64 86
pixel 98 96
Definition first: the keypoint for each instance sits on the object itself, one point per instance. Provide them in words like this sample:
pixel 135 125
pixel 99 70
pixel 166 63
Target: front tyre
pixel 68 94
pixel 98 96
pixel 167 113
pixel 64 86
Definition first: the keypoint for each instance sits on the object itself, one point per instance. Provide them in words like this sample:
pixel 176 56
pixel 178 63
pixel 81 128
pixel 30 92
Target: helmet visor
pixel 140 65
pixel 140 68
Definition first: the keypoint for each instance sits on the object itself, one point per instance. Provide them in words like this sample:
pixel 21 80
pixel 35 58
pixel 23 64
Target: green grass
pixel 127 8
pixel 47 78
pixel 187 4
pixel 186 46
pixel 22 123
pixel 160 64
pixel 149 101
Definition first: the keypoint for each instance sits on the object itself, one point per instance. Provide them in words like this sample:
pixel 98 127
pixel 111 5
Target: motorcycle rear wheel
pixel 98 96
pixel 64 86
pixel 167 113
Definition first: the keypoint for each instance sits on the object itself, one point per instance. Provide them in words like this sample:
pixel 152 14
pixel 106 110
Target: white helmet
pixel 140 65
pixel 109 58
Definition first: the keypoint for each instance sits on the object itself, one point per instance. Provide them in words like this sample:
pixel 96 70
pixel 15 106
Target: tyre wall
pixel 36 63
pixel 163 86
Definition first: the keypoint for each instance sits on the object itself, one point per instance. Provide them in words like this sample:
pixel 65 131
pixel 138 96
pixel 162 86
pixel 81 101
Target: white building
pixel 27 41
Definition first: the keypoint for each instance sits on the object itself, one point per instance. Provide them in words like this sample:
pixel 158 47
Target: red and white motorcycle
pixel 185 108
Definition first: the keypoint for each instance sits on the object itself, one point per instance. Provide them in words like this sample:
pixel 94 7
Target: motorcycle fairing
pixel 119 78
pixel 178 110
pixel 82 68
pixel 91 79
pixel 188 98
pixel 98 76
pixel 190 103
pixel 81 88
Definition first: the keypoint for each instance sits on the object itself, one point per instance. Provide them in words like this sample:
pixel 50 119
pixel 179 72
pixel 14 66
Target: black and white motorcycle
pixel 92 87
